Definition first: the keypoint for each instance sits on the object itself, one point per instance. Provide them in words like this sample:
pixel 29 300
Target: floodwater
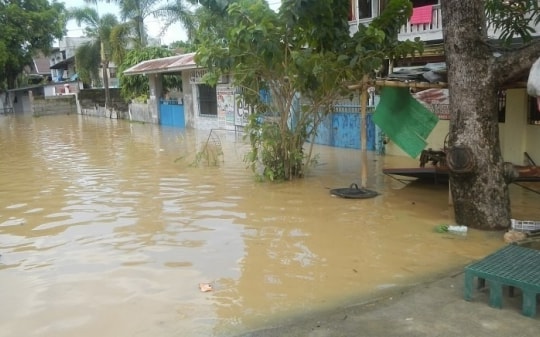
pixel 106 229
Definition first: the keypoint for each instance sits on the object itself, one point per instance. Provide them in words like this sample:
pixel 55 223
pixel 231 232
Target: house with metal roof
pixel 201 106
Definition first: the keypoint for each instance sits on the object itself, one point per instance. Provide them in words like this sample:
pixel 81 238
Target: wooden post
pixel 363 129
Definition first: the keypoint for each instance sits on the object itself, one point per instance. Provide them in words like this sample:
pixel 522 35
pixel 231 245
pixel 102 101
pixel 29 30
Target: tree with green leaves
pixel 210 19
pixel 28 27
pixel 100 49
pixel 134 86
pixel 477 68
pixel 182 47
pixel 303 56
pixel 87 64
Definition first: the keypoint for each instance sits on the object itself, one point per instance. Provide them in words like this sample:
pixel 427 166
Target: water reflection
pixel 103 231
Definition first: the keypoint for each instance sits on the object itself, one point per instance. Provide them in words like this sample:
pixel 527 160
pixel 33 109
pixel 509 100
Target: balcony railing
pixel 425 31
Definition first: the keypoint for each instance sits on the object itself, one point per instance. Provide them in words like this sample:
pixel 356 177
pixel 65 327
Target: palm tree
pixel 136 11
pixel 87 63
pixel 101 30
pixel 178 12
pixel 133 13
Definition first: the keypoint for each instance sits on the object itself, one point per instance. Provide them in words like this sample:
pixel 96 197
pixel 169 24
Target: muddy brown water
pixel 107 230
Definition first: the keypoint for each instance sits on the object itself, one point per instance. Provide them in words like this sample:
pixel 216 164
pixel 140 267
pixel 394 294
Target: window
pixel 207 100
pixel 533 115
pixel 364 9
pixel 420 3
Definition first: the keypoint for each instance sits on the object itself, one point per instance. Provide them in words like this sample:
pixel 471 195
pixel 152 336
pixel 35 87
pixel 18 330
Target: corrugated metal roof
pixel 42 66
pixel 163 65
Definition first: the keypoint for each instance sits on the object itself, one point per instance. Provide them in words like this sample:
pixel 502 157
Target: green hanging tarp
pixel 404 120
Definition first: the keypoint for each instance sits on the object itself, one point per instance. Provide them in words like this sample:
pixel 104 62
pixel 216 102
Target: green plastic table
pixel 513 266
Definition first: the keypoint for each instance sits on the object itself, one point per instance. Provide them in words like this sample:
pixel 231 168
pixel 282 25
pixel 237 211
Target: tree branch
pixel 513 65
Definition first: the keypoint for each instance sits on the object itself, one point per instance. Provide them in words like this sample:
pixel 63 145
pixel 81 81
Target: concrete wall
pixel 19 99
pixel 156 92
pixel 533 139
pixel 100 111
pixel 6 106
pixel 92 103
pixel 141 112
pixel 189 113
pixel 511 132
pixel 21 102
pixel 54 105
pixel 89 98
pixel 192 109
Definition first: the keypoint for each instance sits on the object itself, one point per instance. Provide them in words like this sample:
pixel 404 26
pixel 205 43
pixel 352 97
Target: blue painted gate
pixel 171 113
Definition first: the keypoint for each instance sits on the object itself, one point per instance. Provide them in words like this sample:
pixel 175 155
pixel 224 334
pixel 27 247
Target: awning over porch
pixel 64 64
pixel 163 65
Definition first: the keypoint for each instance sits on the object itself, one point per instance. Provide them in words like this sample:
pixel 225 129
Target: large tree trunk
pixel 480 193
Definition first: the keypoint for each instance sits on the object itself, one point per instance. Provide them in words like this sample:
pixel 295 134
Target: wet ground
pixel 107 229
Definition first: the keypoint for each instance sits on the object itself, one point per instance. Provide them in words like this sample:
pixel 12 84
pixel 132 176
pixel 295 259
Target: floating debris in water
pixel 205 287
pixel 451 229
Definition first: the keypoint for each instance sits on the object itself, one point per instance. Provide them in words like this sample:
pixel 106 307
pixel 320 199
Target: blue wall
pixel 342 129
